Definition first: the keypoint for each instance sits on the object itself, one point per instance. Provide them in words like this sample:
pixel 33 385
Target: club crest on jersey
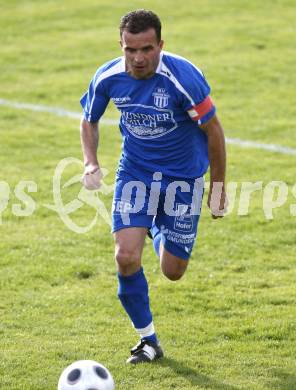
pixel 161 98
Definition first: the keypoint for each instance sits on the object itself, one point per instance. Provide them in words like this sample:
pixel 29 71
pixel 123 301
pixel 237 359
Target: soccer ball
pixel 86 375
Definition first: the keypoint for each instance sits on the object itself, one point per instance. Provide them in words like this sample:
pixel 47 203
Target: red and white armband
pixel 199 111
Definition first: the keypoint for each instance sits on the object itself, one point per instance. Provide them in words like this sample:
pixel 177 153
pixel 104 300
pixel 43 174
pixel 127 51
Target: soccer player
pixel 170 135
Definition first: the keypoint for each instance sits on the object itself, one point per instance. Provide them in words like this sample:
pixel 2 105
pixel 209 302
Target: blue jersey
pixel 160 116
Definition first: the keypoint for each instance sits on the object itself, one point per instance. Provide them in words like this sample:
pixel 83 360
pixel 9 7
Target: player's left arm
pixel 217 199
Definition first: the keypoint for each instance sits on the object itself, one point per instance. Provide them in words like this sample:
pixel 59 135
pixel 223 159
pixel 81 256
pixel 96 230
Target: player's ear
pixel 161 43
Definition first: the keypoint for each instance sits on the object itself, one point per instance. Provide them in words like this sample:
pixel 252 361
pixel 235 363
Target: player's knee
pixel 172 274
pixel 126 257
pixel 172 267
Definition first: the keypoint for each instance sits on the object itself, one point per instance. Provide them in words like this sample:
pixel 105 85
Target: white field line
pixel 52 110
pixel 258 145
pixel 77 115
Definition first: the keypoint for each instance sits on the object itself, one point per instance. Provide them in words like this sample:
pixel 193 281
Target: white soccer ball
pixel 86 375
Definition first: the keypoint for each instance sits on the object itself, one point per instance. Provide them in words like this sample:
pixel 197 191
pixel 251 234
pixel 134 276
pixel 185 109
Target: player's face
pixel 141 53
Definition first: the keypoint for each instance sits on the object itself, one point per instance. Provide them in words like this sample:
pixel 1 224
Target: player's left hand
pixel 217 201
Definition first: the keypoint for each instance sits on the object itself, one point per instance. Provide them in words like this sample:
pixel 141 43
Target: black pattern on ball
pixel 101 372
pixel 73 376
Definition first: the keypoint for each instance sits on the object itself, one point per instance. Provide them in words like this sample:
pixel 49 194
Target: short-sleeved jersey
pixel 160 116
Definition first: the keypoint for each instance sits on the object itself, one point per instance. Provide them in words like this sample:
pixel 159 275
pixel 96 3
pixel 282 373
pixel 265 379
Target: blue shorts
pixel 172 206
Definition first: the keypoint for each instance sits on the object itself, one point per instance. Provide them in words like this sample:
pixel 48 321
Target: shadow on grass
pixel 194 376
pixel 284 380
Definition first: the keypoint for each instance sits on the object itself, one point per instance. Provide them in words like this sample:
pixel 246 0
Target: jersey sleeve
pixel 197 101
pixel 94 101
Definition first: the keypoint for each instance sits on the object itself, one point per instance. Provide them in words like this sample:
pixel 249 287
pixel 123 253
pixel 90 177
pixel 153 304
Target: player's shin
pixel 133 294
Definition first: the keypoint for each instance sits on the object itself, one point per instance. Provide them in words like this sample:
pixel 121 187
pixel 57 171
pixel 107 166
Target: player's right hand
pixel 92 177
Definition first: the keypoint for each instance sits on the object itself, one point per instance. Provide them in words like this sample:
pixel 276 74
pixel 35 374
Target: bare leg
pixel 129 245
pixel 172 267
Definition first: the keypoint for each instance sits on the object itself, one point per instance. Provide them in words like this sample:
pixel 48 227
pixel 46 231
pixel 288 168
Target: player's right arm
pixel 94 103
pixel 89 135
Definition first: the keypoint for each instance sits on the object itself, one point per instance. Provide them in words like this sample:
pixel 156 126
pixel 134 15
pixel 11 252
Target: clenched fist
pixel 92 177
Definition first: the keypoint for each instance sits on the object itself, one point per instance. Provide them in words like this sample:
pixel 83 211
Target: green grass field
pixel 230 323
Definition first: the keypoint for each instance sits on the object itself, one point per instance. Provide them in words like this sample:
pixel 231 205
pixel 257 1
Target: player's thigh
pixel 178 233
pixel 176 244
pixel 130 240
pixel 130 203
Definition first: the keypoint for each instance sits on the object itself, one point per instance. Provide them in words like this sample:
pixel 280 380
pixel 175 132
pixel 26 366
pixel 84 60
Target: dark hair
pixel 139 21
